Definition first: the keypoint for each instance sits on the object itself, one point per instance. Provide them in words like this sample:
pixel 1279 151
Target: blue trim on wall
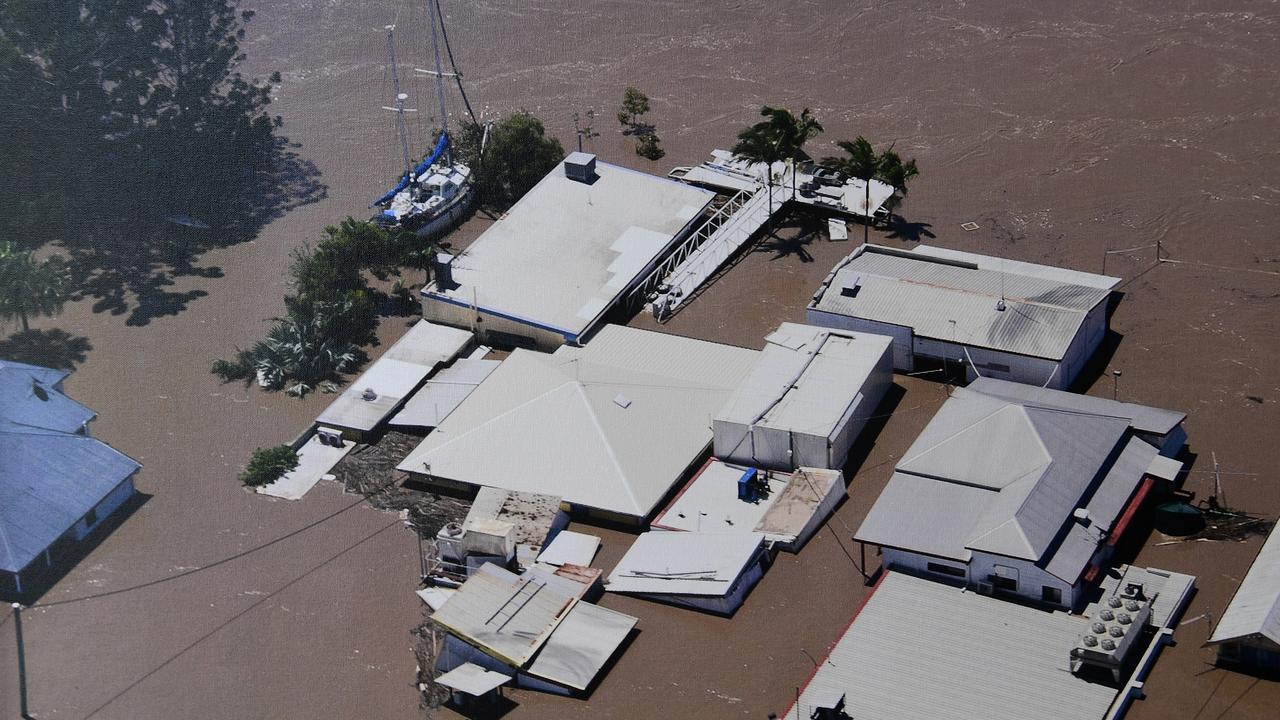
pixel 568 335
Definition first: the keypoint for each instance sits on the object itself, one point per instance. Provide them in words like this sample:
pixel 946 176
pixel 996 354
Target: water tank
pixel 449 543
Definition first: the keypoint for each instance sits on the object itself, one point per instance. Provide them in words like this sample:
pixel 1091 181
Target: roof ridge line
pixel 608 447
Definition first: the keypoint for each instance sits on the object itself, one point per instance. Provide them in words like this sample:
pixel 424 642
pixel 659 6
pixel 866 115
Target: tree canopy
pixel 863 162
pixel 518 154
pixel 30 287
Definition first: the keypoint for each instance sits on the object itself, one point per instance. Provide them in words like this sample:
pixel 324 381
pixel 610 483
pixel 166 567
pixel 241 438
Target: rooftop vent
pixel 622 401
pixel 1081 516
pixel 852 287
pixel 368 395
pixel 580 166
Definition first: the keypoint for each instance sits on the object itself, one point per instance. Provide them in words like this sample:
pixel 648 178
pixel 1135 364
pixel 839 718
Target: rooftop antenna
pixel 1000 306
pixel 399 109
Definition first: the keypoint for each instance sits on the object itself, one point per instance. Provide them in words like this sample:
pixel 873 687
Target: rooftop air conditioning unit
pixel 329 437
pixel 580 166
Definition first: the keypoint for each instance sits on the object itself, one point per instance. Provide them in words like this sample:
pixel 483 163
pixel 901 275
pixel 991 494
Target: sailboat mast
pixel 436 17
pixel 400 98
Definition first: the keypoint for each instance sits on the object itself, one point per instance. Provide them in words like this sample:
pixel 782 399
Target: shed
pixel 536 518
pixel 1248 634
pixel 708 571
pixel 382 388
pixel 553 266
pixel 996 318
pixel 809 394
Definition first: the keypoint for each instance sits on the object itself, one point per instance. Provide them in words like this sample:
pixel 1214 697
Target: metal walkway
pixel 697 259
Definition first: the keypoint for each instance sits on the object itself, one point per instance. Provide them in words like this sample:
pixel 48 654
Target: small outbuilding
pixel 383 388
pixel 1248 634
pixel 708 571
pixel 995 318
pixel 808 396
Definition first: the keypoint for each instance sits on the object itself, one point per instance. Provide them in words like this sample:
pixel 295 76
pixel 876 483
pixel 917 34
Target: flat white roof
pixel 567 250
pixel 806 379
pixel 685 563
pixel 570 548
pixel 612 425
pixel 952 296
pixel 315 459
pixel 920 649
pixel 394 376
pixel 472 679
pixel 443 392
pixel 710 502
pixel 1255 608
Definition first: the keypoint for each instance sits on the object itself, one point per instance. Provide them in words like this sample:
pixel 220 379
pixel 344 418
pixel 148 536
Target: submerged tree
pixel 30 287
pixel 861 161
pixel 518 154
pixel 635 104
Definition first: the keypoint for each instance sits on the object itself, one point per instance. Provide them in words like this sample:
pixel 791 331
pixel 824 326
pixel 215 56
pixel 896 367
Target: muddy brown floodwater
pixel 1063 130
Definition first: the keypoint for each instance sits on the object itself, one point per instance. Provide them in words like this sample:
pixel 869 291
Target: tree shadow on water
pixel 48 348
pixel 138 147
pixel 900 229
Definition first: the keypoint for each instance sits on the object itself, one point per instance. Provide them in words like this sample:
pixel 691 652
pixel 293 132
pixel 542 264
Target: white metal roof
pixel 1143 418
pixel 443 392
pixel 507 616
pixel 568 249
pixel 1255 608
pixel 570 548
pixel 472 679
pixel 806 379
pixel 394 376
pixel 684 563
pixel 581 645
pixel 920 649
pixel 953 297
pixel 987 474
pixel 611 425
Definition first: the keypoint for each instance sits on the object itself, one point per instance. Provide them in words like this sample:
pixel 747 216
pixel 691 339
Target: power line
pixel 202 568
pixel 239 615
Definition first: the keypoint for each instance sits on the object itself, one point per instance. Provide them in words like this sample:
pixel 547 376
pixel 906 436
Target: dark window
pixel 998 367
pixel 1051 594
pixel 1004 583
pixel 946 570
pixel 91 517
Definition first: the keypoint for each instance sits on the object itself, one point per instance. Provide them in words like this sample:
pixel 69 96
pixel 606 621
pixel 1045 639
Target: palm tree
pixel 29 287
pixel 861 161
pixel 780 137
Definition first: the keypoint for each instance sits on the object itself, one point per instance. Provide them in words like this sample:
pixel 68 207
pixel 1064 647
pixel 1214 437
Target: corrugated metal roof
pixel 987 474
pixel 685 563
pixel 1143 418
pixel 920 649
pixel 805 379
pixel 394 376
pixel 582 645
pixel 48 481
pixel 552 423
pixel 29 395
pixel 505 615
pixel 956 301
pixel 443 392
pixel 568 249
pixel 1255 608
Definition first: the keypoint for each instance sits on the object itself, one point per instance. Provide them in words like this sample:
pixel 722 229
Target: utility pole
pixel 22 662
pixel 1217 481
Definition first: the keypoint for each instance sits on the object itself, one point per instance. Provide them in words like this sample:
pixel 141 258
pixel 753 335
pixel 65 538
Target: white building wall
pixel 490 328
pixel 903 359
pixel 917 564
pixel 1031 579
pixel 1086 342
pixel 861 411
pixel 103 510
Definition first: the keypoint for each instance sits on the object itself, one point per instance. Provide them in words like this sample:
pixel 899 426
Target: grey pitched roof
pixel 30 395
pixel 954 298
pixel 1143 418
pixel 991 475
pixel 1254 611
pixel 48 481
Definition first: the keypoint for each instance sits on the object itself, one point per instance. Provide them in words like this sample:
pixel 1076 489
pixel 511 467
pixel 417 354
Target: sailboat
pixel 432 196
